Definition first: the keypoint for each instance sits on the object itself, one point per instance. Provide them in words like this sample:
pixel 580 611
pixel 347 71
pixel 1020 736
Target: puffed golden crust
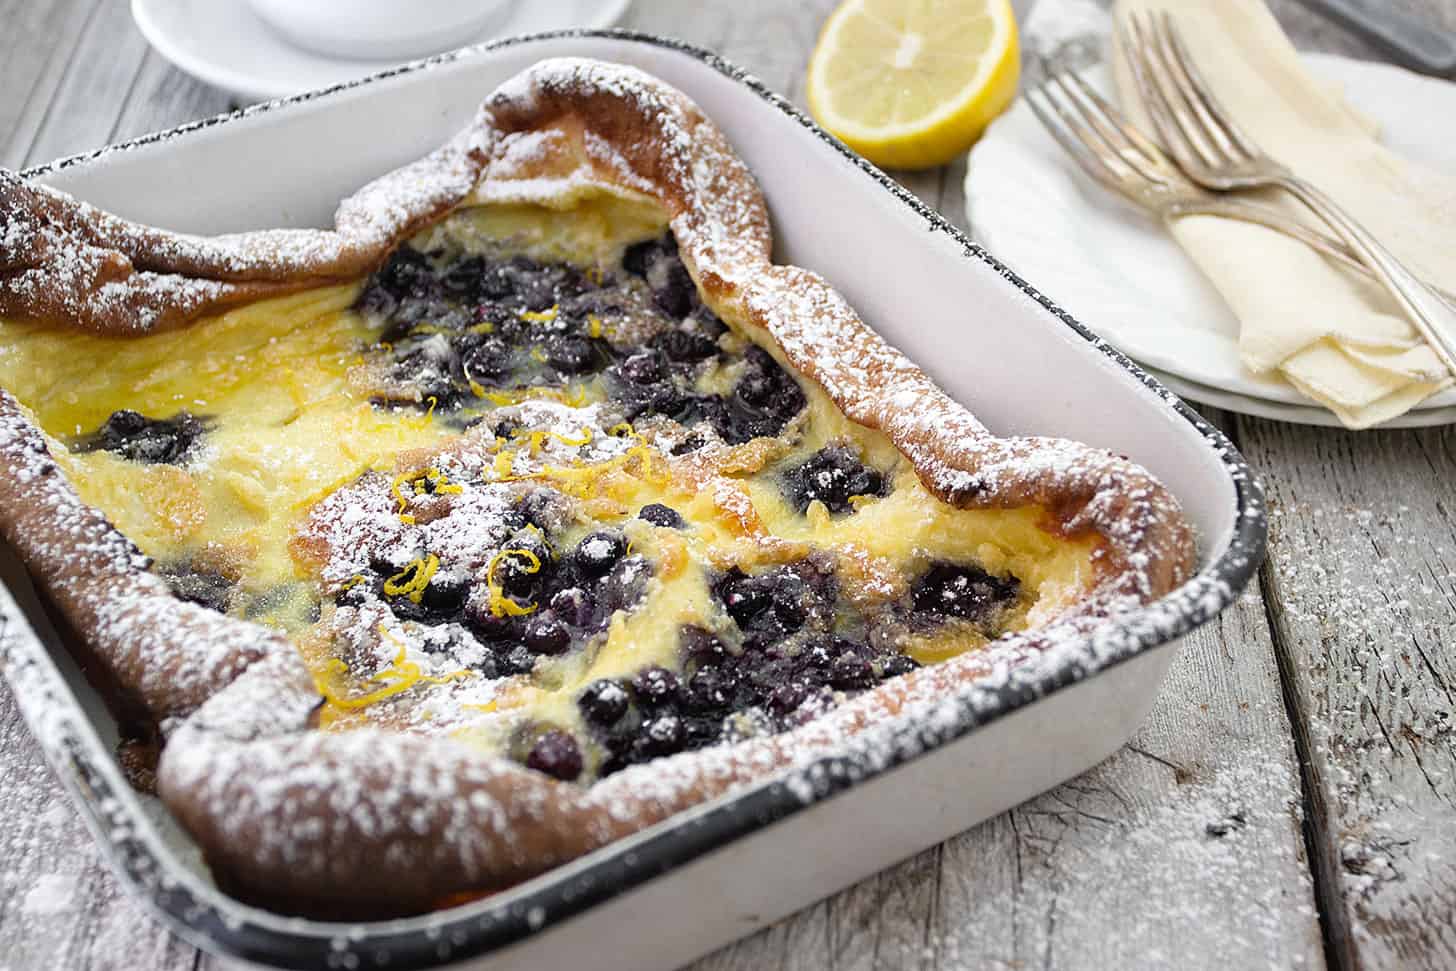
pixel 368 823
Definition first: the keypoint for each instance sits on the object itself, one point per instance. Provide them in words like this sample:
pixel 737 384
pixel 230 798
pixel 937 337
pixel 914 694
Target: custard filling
pixel 522 487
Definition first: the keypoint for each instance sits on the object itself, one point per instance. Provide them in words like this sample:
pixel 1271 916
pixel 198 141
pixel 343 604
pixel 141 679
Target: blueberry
pixel 556 754
pixel 487 626
pixel 967 592
pixel 445 593
pixel 462 280
pixel 360 592
pixel 767 606
pixel 643 367
pixel 832 476
pixel 599 552
pixel 765 399
pixel 542 508
pixel 546 635
pixel 851 670
pixel 124 424
pixel 521 576
pixel 710 688
pixel 604 702
pixel 376 301
pixel 672 288
pixel 572 354
pixel 685 347
pixel 573 605
pixel 756 388
pixel 743 597
pixel 407 274
pixel 638 256
pixel 702 731
pixel 655 685
pixel 531 285
pixel 152 441
pixel 659 515
pixel 697 645
pixel 662 735
pixel 496 283
pixel 489 362
pixel 708 323
pixel 656 398
pixel 427 371
pixel 204 588
pixel 786 697
pixel 788 608
pixel 408 290
pixel 690 444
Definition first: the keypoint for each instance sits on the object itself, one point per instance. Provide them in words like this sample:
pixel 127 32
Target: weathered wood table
pixel 1290 802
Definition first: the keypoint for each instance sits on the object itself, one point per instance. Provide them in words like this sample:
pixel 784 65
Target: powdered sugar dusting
pixel 371 815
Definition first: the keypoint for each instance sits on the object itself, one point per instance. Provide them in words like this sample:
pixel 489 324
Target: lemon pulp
pixel 913 85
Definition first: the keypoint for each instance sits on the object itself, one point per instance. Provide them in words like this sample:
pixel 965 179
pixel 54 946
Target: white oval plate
pixel 1116 270
pixel 223 43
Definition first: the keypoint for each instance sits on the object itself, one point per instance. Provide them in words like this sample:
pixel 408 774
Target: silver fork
pixel 1216 153
pixel 1118 156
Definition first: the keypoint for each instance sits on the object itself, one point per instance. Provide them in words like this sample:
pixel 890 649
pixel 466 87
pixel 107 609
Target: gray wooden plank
pixel 35 50
pixel 97 80
pixel 163 97
pixel 1182 849
pixel 60 907
pixel 1362 581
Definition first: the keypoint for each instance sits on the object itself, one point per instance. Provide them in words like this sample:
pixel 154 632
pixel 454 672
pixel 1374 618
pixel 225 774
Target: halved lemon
pixel 910 85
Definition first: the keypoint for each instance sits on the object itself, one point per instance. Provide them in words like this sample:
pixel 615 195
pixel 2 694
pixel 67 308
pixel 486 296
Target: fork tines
pixel 1188 118
pixel 1096 134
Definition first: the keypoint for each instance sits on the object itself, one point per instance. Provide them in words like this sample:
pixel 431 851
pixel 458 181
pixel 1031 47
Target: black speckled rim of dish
pixel 211 920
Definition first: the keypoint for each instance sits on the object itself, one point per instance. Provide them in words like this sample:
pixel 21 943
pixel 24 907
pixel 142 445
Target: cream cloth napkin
pixel 1336 336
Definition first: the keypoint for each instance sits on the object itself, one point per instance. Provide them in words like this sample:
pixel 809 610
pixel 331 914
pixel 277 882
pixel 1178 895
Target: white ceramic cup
pixel 377 28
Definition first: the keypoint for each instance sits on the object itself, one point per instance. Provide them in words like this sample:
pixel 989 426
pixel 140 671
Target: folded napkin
pixel 1333 334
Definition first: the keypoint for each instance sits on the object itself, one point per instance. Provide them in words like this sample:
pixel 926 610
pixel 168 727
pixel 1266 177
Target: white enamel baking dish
pixel 726 869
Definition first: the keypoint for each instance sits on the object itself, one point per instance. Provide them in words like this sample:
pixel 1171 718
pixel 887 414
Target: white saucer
pixel 1118 271
pixel 223 43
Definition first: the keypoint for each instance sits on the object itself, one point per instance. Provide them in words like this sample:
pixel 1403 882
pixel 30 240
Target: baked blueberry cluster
pixel 531 589
pixel 206 588
pixel 462 329
pixel 566 596
pixel 951 590
pixel 150 441
pixel 781 665
pixel 794 649
pixel 833 475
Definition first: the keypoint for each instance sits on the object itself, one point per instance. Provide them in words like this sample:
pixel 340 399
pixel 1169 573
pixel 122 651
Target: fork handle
pixel 1435 319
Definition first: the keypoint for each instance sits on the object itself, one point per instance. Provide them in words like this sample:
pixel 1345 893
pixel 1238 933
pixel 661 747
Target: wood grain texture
pixel 1361 591
pixel 1183 849
pixel 1361 583
pixel 38 46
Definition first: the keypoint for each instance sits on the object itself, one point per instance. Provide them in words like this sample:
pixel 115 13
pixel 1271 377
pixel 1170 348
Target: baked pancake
pixel 527 507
